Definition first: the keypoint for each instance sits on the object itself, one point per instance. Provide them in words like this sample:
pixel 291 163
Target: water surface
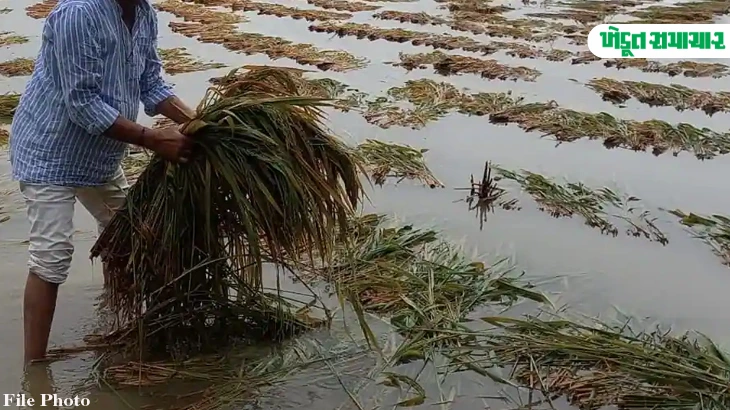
pixel 682 284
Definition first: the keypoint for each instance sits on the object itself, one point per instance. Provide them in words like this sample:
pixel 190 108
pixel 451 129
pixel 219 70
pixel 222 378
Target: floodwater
pixel 682 285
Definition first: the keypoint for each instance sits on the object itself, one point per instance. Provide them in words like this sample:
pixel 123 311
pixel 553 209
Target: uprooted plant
pixel 342 96
pixel 260 146
pixel 262 152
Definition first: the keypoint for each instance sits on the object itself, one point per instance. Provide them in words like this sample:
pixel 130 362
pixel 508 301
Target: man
pixel 97 61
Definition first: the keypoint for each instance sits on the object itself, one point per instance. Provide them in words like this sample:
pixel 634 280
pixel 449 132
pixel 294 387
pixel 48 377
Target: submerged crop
pixel 430 101
pixel 569 125
pixel 693 12
pixel 40 10
pixel 493 25
pixel 440 41
pixel 588 12
pixel 8 39
pixel 598 207
pixel 674 95
pixel 274 47
pixel 285 11
pixel 343 5
pixel 8 102
pixel 178 61
pixel 399 35
pixel 599 365
pixel 382 161
pixel 17 67
pixel 426 288
pixel 685 68
pixel 713 230
pixel 198 13
pixel 448 64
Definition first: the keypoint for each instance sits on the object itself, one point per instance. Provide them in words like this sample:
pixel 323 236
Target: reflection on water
pixel 38 385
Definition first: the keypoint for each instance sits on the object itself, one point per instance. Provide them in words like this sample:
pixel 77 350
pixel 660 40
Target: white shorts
pixel 51 212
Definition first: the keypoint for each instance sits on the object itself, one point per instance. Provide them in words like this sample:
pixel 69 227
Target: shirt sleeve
pixel 153 88
pixel 78 54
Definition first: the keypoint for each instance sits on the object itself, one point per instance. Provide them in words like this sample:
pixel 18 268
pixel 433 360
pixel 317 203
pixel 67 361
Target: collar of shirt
pixel 143 11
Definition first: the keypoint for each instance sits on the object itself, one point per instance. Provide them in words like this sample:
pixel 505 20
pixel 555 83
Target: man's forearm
pixel 176 110
pixel 130 132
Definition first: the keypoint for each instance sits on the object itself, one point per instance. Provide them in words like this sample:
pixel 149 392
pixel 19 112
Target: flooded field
pixel 604 174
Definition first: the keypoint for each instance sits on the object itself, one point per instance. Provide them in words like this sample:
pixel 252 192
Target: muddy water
pixel 681 284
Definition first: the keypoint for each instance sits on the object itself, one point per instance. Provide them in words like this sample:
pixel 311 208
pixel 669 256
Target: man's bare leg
pixel 39 306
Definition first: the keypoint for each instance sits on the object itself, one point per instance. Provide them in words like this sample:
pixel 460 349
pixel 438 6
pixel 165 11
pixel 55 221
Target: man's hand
pixel 170 144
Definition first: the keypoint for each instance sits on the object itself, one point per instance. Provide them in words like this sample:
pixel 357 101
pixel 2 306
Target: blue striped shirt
pixel 90 70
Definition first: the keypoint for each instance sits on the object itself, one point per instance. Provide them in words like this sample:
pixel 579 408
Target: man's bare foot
pixel 39 305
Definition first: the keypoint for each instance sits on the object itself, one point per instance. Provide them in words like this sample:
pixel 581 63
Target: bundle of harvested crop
pixel 267 181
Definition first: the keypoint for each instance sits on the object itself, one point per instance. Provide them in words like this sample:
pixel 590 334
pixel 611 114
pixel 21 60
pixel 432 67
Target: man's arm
pixel 79 67
pixel 156 95
pixel 176 110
